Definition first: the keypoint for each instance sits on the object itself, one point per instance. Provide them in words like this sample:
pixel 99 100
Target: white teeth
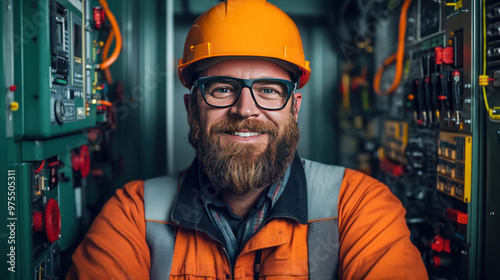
pixel 246 134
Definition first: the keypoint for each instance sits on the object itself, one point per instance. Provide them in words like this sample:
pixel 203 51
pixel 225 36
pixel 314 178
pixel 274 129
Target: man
pixel 249 207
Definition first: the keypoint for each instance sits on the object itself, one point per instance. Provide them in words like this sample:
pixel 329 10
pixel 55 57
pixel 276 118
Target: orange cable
pixel 398 56
pixel 105 103
pixel 105 52
pixel 378 76
pixel 114 25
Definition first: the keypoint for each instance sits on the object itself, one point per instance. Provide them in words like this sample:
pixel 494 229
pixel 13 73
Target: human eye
pixel 270 90
pixel 221 92
pixel 220 89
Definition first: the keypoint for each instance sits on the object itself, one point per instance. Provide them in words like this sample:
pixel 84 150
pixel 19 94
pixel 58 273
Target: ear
pixel 187 102
pixel 187 105
pixel 296 104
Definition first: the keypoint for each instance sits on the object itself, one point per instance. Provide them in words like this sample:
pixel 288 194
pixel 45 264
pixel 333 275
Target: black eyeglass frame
pixel 244 83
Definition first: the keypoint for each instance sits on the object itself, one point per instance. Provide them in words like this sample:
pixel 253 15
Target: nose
pixel 245 106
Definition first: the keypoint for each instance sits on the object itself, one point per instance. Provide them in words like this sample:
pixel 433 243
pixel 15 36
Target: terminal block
pixel 454 165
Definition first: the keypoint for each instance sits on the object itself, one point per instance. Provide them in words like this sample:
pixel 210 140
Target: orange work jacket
pixel 373 238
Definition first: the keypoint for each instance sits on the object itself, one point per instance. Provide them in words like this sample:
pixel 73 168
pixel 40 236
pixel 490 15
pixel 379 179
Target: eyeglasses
pixel 223 92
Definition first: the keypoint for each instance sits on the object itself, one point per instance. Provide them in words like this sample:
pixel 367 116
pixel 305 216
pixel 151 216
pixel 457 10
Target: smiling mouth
pixel 244 134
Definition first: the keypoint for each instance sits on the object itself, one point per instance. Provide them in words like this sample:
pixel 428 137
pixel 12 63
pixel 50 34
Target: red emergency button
pixel 438 55
pixel 52 220
pixel 13 88
pixel 48 221
pixel 448 55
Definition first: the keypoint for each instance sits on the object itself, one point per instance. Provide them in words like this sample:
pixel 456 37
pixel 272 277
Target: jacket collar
pixel 189 211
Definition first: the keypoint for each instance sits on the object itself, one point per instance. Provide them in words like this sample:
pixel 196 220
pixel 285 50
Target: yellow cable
pixel 484 37
pixel 488 109
pixel 95 74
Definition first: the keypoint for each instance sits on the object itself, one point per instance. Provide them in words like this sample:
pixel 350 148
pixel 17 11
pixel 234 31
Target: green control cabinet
pixel 48 104
pixel 52 47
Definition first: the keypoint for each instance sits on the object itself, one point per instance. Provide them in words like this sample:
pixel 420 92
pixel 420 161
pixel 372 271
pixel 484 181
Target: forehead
pixel 246 69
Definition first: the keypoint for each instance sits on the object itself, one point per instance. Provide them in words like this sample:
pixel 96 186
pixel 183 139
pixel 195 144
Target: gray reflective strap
pixel 323 188
pixel 161 242
pixel 323 249
pixel 159 197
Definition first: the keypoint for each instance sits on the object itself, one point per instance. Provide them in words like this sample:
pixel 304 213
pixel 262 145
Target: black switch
pixel 457 93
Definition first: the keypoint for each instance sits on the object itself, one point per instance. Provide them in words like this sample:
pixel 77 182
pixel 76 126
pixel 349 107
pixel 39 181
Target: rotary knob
pixel 59 111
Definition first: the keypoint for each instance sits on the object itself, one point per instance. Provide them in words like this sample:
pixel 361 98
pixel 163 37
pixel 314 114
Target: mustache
pixel 232 125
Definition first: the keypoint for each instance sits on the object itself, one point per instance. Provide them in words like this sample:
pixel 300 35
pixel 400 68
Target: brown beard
pixel 243 167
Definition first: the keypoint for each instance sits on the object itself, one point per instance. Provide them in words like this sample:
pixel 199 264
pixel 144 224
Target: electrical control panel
pixel 492 142
pixel 430 139
pixel 52 91
pixel 42 203
pixel 51 42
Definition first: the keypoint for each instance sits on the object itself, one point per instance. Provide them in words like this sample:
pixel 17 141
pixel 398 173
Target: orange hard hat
pixel 243 29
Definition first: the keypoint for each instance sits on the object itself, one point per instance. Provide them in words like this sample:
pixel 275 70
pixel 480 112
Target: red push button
pixel 440 244
pixel 438 55
pixel 448 55
pixel 436 261
pixel 81 161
